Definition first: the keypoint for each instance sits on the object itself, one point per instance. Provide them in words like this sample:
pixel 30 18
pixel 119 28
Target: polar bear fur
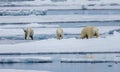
pixel 28 33
pixel 59 33
pixel 89 32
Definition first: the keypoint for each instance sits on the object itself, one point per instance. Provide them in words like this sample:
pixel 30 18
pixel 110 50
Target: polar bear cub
pixel 28 33
pixel 59 33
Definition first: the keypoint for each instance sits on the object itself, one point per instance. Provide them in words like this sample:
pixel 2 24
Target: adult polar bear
pixel 28 33
pixel 89 32
pixel 59 33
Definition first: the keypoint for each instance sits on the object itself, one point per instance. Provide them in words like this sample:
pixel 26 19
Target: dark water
pixel 65 67
pixel 83 12
pixel 82 24
pixel 65 24
pixel 64 12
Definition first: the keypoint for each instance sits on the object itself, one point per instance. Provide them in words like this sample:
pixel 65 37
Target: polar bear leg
pixel 97 35
pixel 62 36
pixel 59 36
pixel 31 37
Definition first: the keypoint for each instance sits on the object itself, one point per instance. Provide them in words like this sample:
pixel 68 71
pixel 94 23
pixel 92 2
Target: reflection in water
pixel 66 67
pixel 84 12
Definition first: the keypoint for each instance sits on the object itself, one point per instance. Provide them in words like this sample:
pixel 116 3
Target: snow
pixel 105 43
pixel 58 18
pixel 15 70
pixel 69 4
pixel 89 60
pixel 28 49
pixel 49 2
pixel 108 44
pixel 28 59
pixel 94 1
pixel 19 31
pixel 34 25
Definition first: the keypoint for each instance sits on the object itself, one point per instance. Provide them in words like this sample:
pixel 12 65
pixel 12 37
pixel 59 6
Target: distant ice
pixel 88 60
pixel 25 60
pixel 33 25
pixel 69 4
pixel 16 70
pixel 58 18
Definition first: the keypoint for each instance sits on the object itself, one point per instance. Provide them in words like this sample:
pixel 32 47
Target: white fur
pixel 28 33
pixel 59 33
pixel 89 32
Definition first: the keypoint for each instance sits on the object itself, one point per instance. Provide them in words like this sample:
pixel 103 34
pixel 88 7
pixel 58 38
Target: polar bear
pixel 59 33
pixel 28 33
pixel 89 32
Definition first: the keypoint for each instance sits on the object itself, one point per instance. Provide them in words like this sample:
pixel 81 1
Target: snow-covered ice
pixel 108 44
pixel 69 4
pixel 33 25
pixel 58 18
pixel 89 60
pixel 92 58
pixel 32 59
pixel 41 51
pixel 18 30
